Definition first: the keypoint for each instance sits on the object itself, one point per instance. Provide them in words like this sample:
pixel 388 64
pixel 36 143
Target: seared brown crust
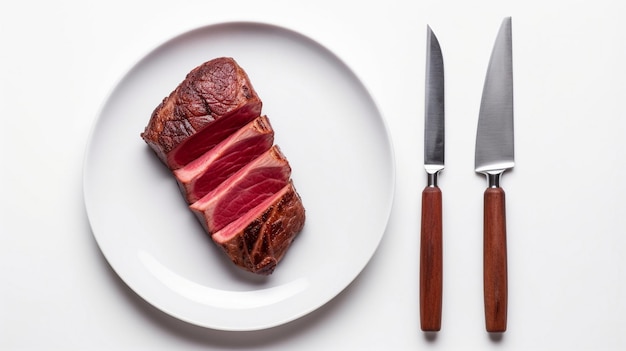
pixel 264 241
pixel 210 91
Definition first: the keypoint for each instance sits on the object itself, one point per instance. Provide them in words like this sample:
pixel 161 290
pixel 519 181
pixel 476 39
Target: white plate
pixel 327 125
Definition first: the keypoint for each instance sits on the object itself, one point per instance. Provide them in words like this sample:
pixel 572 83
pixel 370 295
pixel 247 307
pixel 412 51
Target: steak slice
pixel 248 187
pixel 217 94
pixel 208 171
pixel 259 239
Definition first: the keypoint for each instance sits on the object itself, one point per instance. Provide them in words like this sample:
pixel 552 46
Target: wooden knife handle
pixel 431 260
pixel 495 262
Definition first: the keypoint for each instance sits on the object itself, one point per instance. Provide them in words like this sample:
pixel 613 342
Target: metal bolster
pixel 494 179
pixel 432 179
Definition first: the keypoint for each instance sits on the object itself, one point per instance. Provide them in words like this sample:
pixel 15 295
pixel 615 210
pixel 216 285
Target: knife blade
pixel 494 155
pixel 431 221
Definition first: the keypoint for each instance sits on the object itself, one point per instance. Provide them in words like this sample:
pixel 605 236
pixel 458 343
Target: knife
pixel 494 155
pixel 431 226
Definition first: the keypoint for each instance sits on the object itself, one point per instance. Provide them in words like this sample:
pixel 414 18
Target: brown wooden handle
pixel 495 265
pixel 431 260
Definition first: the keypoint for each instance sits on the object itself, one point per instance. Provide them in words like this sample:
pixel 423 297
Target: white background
pixel 565 198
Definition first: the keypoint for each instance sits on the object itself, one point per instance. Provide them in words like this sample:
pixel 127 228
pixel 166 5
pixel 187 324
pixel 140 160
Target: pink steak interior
pixel 241 154
pixel 208 137
pixel 259 185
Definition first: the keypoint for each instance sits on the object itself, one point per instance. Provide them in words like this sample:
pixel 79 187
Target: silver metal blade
pixel 434 132
pixel 494 139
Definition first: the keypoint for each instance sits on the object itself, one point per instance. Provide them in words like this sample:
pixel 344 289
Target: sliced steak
pixel 217 94
pixel 259 239
pixel 210 133
pixel 248 187
pixel 205 173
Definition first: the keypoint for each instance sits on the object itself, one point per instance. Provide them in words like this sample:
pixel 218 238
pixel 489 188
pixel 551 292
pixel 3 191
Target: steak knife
pixel 494 155
pixel 431 225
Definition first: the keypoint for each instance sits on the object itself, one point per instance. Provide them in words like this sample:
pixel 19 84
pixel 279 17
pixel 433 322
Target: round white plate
pixel 326 124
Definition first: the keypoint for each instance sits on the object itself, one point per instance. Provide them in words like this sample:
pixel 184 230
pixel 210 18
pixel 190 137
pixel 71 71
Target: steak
pixel 258 240
pixel 248 187
pixel 210 133
pixel 205 173
pixel 213 101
